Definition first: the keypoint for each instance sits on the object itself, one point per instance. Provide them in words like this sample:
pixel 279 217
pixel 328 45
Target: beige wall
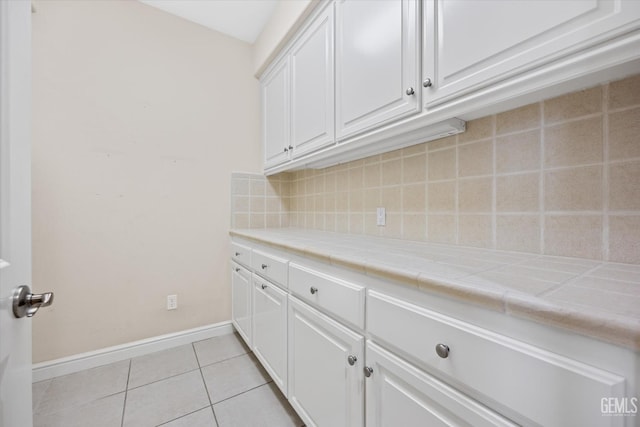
pixel 139 117
pixel 559 177
pixel 285 20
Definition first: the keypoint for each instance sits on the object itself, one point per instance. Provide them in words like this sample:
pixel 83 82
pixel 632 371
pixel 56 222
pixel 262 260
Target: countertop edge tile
pixel 618 330
pixel 603 324
pixel 492 299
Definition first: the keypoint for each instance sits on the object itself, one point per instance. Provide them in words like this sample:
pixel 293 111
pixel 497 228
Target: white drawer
pixel 336 296
pixel 270 266
pixel 241 254
pixel 543 387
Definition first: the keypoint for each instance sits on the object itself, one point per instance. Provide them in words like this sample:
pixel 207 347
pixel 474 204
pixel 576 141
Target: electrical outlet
pixel 172 302
pixel 381 216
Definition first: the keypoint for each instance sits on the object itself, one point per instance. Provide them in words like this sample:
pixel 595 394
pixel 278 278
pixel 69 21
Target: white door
pixel 469 44
pixel 241 301
pixel 398 394
pixel 275 114
pixel 325 388
pixel 15 210
pixel 270 330
pixel 312 87
pixel 377 63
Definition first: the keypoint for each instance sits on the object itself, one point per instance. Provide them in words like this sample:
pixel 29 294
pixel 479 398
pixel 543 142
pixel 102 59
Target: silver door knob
pixel 313 290
pixel 410 91
pixel 27 304
pixel 442 350
pixel 368 371
pixel 352 360
pixel 426 82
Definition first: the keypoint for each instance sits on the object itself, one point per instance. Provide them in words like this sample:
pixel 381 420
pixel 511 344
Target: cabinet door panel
pixel 398 394
pixel 377 60
pixel 323 388
pixel 241 301
pixel 275 114
pixel 312 82
pixel 270 330
pixel 470 44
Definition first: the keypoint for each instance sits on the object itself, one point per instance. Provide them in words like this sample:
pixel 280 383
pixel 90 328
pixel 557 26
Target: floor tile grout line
pixel 206 389
pixel 223 360
pixel 242 392
pixel 182 416
pixel 165 378
pixel 126 389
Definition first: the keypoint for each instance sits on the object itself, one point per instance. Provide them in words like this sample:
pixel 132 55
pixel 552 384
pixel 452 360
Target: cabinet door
pixel 377 63
pixel 275 114
pixel 324 388
pixel 241 301
pixel 470 44
pixel 312 86
pixel 398 394
pixel 270 330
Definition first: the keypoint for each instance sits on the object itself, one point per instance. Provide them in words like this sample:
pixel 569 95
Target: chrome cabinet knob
pixel 313 290
pixel 286 149
pixel 442 350
pixel 352 360
pixel 264 266
pixel 27 304
pixel 263 286
pixel 290 147
pixel 237 253
pixel 368 371
pixel 426 82
pixel 410 91
pixel 237 270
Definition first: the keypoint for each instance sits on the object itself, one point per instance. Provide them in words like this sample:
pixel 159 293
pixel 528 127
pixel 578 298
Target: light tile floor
pixel 215 382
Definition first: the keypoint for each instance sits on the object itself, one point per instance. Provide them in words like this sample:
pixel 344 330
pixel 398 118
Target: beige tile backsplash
pixel 558 177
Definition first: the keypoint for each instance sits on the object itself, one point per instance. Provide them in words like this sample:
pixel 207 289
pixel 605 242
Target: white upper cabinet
pixel 471 44
pixel 377 63
pixel 275 114
pixel 312 83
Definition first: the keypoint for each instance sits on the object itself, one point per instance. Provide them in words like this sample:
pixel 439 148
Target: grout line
pixel 541 193
pixel 605 174
pixel 182 416
pixel 126 392
pixel 206 389
pixel 494 202
pixel 242 392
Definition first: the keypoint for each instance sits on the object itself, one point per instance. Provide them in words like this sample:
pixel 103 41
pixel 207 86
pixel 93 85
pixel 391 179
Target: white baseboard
pixel 79 362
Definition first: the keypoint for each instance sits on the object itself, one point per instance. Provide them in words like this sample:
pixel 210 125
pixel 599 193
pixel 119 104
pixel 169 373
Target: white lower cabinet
pixel 270 330
pixel 324 387
pixel 241 301
pixel 428 361
pixel 399 394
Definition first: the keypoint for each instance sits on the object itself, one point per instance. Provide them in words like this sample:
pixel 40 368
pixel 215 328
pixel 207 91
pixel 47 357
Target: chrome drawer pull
pixel 238 254
pixel 264 266
pixel 442 350
pixel 313 290
pixel 263 286
pixel 237 270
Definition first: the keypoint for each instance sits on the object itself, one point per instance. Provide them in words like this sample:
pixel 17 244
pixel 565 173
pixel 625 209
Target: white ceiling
pixel 242 19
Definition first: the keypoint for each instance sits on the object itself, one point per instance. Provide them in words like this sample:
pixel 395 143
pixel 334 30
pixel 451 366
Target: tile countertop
pixel 593 298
